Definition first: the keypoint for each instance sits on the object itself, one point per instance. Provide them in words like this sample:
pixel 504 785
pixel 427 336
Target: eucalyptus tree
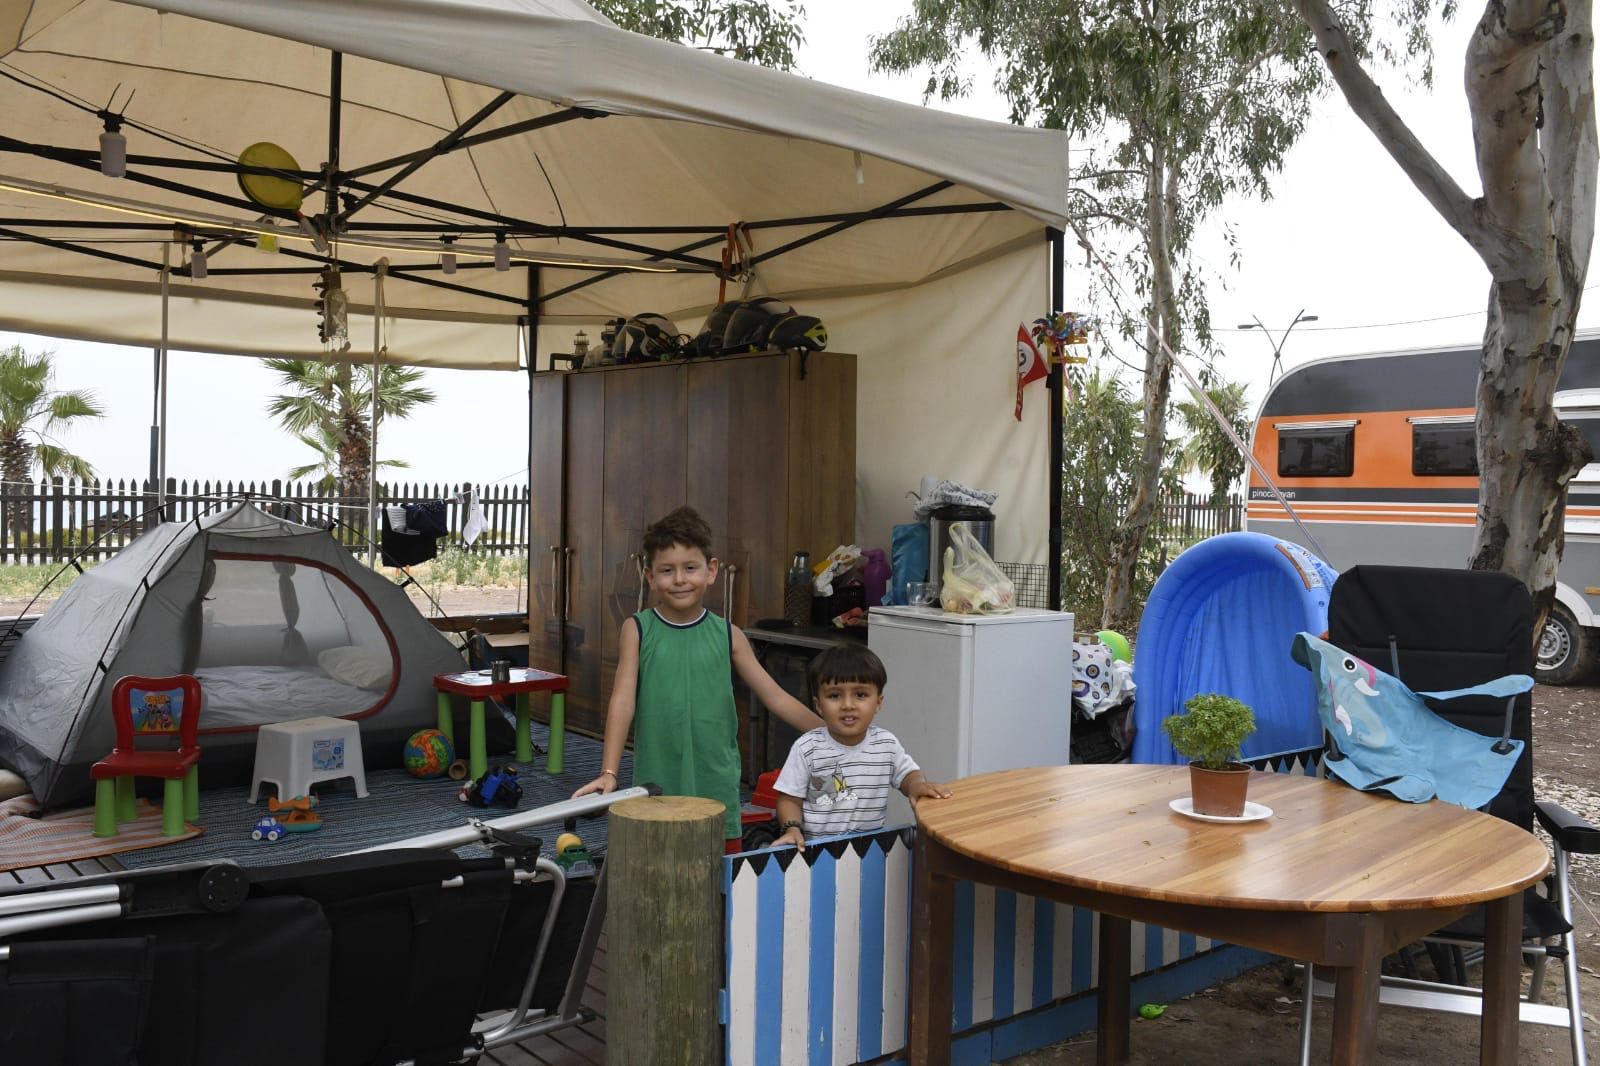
pixel 756 31
pixel 1530 92
pixel 1194 101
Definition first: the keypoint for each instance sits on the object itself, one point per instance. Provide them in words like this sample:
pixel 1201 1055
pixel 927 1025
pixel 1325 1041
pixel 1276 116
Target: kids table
pixel 477 686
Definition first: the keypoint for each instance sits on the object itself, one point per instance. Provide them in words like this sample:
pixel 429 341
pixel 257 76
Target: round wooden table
pixel 1335 877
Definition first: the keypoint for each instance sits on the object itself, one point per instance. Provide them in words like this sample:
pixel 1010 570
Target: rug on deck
pixel 64 836
pixel 398 806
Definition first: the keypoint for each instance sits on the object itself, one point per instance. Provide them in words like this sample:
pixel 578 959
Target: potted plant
pixel 1209 735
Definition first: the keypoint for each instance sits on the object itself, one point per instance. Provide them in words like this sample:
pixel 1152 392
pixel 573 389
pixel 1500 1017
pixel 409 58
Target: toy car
pixel 268 828
pixel 498 787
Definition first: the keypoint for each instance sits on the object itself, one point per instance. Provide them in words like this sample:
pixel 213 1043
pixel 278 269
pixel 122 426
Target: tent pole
pixel 161 387
pixel 1058 252
pixel 373 524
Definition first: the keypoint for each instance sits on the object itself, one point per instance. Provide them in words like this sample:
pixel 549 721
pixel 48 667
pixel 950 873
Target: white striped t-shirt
pixel 843 789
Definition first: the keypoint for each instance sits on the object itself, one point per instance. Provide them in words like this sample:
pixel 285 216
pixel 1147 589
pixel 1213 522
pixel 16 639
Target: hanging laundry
pixel 429 518
pixel 403 545
pixel 476 524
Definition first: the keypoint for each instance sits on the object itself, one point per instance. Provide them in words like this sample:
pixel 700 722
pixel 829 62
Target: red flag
pixel 1030 364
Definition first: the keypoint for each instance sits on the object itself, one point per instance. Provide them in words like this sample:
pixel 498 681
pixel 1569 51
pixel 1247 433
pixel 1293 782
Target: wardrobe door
pixel 582 560
pixel 644 458
pixel 546 483
pixel 738 462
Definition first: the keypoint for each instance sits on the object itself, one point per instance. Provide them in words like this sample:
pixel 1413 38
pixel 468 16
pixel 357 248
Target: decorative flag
pixel 1030 364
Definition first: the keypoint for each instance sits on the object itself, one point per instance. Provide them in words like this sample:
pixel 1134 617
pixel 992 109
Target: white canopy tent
pixel 611 164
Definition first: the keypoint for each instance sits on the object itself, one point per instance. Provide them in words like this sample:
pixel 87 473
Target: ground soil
pixel 1255 1018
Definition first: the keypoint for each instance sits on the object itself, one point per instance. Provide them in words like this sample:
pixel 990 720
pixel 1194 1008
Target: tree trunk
pixel 16 463
pixel 1161 335
pixel 1530 89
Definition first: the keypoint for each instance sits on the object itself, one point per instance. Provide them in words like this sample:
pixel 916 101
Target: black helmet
pixel 709 340
pixel 750 326
pixel 805 332
pixel 646 338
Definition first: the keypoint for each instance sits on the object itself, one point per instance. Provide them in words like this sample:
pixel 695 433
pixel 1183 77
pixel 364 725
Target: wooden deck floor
pixel 583 1045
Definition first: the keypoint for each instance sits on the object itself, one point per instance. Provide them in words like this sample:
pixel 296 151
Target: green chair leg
pixel 446 726
pixel 191 794
pixel 172 808
pixel 553 760
pixel 127 805
pixel 479 743
pixel 524 732
pixel 105 807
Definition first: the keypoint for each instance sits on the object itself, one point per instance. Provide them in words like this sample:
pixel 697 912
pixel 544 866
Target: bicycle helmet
pixel 805 332
pixel 750 326
pixel 709 340
pixel 646 338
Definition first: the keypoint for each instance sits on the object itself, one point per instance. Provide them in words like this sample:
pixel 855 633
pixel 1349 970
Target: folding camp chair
pixel 1447 629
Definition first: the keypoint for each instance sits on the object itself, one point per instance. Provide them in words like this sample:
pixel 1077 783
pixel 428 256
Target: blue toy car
pixel 268 828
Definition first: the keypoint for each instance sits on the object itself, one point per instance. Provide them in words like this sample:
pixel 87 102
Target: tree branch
pixel 1370 105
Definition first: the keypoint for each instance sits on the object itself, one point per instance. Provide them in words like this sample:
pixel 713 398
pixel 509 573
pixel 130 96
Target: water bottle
pixel 797 591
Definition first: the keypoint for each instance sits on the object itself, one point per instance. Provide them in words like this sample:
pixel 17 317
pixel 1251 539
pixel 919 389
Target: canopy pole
pixel 381 269
pixel 161 386
pixel 1058 418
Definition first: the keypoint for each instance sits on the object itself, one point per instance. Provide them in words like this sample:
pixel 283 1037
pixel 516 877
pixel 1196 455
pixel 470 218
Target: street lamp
pixel 1277 346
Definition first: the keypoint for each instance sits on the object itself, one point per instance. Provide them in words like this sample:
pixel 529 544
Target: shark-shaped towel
pixel 1386 737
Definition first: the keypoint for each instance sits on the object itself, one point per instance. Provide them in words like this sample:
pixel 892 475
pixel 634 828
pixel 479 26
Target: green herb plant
pixel 1212 730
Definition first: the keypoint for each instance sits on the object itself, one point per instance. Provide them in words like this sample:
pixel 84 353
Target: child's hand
pixel 606 782
pixel 793 835
pixel 926 789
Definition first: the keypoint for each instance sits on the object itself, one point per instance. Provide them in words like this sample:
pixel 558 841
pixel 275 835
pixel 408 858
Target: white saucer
pixel 1253 812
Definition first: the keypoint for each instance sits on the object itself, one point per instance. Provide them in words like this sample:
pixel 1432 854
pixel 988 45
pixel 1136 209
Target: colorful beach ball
pixel 428 754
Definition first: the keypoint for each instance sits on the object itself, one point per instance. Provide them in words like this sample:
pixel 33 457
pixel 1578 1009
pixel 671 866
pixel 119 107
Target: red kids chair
pixel 143 706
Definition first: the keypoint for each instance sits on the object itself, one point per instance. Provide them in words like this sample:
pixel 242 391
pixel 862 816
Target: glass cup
pixel 919 593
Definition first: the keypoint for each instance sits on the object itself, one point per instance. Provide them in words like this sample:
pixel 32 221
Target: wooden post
pixel 665 930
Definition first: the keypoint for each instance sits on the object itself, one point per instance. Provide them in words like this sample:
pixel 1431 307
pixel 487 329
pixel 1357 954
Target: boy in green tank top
pixel 674 682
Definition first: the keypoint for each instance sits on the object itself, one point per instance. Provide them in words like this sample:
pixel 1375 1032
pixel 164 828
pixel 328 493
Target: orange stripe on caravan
pixel 1390 519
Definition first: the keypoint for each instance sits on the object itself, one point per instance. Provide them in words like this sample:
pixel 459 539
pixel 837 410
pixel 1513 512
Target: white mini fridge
pixel 972 693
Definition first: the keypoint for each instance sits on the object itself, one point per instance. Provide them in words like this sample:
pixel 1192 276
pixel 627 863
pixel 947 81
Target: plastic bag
pixel 838 569
pixel 972 583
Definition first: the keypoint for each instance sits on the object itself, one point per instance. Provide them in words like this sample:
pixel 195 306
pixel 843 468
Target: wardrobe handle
pixel 566 580
pixel 727 592
pixel 555 578
pixel 638 566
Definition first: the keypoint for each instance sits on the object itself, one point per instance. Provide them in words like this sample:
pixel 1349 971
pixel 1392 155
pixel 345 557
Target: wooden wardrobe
pixel 762 445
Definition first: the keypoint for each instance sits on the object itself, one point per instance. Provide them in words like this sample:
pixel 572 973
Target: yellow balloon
pixel 269 190
pixel 568 840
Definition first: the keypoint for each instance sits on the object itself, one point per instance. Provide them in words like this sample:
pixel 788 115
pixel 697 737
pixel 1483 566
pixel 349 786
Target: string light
pixel 197 262
pixel 447 258
pixel 113 147
pixel 502 252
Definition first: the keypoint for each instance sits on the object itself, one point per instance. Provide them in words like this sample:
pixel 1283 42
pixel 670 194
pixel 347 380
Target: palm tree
pixel 328 409
pixel 325 470
pixel 1207 448
pixel 31 414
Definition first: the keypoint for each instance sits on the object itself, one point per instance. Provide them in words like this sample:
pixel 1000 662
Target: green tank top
pixel 686 729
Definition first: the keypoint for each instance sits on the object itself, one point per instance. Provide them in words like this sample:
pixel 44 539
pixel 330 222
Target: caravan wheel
pixel 1566 649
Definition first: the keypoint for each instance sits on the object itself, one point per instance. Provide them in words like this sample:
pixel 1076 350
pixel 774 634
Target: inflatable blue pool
pixel 1221 618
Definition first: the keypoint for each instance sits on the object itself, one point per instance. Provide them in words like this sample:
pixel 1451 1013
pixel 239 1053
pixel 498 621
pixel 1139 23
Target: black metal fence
pixel 56 519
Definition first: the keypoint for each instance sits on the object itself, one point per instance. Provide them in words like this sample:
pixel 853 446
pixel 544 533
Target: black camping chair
pixel 1447 629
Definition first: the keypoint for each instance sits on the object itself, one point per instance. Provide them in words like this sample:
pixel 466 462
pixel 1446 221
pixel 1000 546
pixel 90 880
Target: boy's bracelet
pixel 613 774
pixel 786 826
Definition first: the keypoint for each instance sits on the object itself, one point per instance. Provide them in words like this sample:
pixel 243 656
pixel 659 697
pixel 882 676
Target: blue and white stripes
pixel 818 952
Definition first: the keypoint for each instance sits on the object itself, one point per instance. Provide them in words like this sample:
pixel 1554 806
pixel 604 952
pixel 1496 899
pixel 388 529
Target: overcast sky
pixel 1345 237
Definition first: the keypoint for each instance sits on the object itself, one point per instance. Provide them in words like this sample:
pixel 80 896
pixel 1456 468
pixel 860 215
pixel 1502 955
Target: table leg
pixel 555 746
pixel 1115 1005
pixel 1502 981
pixel 1355 997
pixel 478 743
pixel 932 918
pixel 446 726
pixel 524 734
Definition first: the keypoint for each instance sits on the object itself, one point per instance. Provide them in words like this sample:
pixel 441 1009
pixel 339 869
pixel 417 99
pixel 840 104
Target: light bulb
pixel 447 258
pixel 502 253
pixel 197 262
pixel 113 149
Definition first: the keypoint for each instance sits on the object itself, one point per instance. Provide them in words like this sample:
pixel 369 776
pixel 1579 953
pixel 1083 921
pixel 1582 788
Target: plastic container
pixel 875 576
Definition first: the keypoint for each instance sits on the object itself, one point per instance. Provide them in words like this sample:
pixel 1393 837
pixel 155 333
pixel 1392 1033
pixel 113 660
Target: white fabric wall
pixel 936 392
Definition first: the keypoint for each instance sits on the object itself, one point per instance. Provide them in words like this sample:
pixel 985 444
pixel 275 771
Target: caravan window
pixel 1443 449
pixel 1323 450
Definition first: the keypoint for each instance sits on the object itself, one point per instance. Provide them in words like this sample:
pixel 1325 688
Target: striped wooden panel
pixel 819 952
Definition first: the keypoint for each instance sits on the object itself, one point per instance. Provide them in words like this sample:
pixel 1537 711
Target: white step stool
pixel 295 755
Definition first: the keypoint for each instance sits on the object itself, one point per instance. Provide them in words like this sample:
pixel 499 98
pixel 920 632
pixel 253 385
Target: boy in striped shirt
pixel 837 778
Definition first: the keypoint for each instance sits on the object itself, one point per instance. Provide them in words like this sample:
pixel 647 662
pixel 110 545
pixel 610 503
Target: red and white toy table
pixel 477 686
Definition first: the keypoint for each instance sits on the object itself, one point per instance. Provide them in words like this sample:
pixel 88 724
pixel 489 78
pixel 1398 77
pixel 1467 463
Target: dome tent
pixel 276 619
pixel 1221 619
